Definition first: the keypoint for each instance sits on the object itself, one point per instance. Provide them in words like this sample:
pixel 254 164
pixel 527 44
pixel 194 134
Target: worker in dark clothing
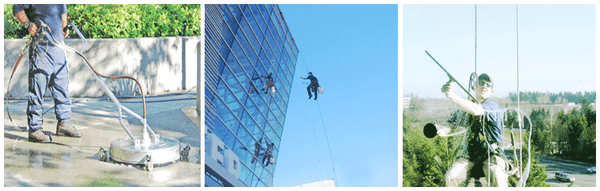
pixel 314 84
pixel 268 154
pixel 257 149
pixel 48 68
pixel 270 83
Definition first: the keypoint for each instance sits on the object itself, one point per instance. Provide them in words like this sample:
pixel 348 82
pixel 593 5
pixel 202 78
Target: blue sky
pixel 353 51
pixel 557 47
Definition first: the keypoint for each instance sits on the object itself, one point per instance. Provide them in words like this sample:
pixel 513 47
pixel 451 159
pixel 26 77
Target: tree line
pixel 554 98
pixel 568 134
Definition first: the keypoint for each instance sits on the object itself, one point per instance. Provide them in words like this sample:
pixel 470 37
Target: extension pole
pixel 451 77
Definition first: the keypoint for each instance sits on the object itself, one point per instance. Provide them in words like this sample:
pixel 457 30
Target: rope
pixel 327 138
pixel 316 142
pixel 519 95
pixel 325 129
pixel 475 38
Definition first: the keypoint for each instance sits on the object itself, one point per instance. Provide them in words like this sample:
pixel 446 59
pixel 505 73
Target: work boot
pixel 66 129
pixel 39 136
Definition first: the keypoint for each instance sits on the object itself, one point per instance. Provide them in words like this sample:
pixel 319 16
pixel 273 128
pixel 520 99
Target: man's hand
pixel 447 88
pixel 66 32
pixel 32 29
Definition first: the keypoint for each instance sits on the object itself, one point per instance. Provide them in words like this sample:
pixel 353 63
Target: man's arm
pixel 464 104
pixel 64 24
pixel 22 17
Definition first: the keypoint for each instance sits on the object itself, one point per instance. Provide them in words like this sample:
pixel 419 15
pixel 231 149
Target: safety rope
pixel 519 94
pixel 325 129
pixel 316 142
pixel 327 138
pixel 475 38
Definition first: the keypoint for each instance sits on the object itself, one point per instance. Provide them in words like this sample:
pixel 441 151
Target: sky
pixel 353 51
pixel 556 47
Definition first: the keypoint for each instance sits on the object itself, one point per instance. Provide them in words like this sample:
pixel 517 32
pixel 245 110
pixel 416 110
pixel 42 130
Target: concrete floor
pixel 76 162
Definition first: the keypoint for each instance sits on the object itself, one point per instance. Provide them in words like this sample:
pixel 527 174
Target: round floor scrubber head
pixel 430 130
pixel 125 151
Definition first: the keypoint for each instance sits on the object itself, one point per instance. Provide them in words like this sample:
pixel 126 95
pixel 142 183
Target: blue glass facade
pixel 242 43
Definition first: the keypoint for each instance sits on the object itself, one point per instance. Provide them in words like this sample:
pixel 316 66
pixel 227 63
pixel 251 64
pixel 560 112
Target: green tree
pixel 537 174
pixel 541 131
pixel 424 160
pixel 577 124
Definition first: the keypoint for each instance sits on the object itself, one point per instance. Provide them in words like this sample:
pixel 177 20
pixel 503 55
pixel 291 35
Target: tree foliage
pixel 554 98
pixel 571 134
pixel 537 174
pixel 122 20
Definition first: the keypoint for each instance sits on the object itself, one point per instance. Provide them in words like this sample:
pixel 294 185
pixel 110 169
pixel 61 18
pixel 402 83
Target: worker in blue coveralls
pixel 314 84
pixel 47 69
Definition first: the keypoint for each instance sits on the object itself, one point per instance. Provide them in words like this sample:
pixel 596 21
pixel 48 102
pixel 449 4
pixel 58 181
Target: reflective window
pixel 244 42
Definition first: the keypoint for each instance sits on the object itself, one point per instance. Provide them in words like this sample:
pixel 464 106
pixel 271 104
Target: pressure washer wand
pixel 106 89
pixel 450 76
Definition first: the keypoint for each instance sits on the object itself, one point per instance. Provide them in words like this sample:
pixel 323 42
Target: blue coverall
pixel 47 65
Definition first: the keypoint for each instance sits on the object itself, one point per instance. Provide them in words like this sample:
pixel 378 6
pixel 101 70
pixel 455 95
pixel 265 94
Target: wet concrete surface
pixel 76 161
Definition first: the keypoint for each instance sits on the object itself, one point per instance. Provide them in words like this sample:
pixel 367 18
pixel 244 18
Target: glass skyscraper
pixel 243 43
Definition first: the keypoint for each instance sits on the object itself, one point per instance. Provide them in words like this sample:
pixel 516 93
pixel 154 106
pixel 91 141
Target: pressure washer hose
pixel 67 48
pixel 11 76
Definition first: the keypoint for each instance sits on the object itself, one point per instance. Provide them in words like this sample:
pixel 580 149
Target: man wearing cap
pixel 483 138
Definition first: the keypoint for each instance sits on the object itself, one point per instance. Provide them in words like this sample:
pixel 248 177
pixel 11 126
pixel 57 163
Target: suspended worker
pixel 483 138
pixel 270 83
pixel 268 154
pixel 257 149
pixel 314 84
pixel 47 69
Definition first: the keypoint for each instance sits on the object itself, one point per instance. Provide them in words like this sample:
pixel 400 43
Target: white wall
pixel 159 64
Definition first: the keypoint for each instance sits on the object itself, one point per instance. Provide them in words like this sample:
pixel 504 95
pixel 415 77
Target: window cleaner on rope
pixel 314 85
pixel 481 152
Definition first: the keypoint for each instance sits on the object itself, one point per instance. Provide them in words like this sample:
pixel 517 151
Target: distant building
pixel 406 102
pixel 323 183
pixel 243 43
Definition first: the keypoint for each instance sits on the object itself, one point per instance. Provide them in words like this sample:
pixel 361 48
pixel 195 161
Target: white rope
pixel 316 142
pixel 475 38
pixel 519 96
pixel 325 129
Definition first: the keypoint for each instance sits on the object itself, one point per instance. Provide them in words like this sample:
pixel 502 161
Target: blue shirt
pixel 48 13
pixel 490 128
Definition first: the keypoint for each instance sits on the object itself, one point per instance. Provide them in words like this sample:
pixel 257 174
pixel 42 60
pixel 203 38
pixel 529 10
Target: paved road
pixel 575 169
